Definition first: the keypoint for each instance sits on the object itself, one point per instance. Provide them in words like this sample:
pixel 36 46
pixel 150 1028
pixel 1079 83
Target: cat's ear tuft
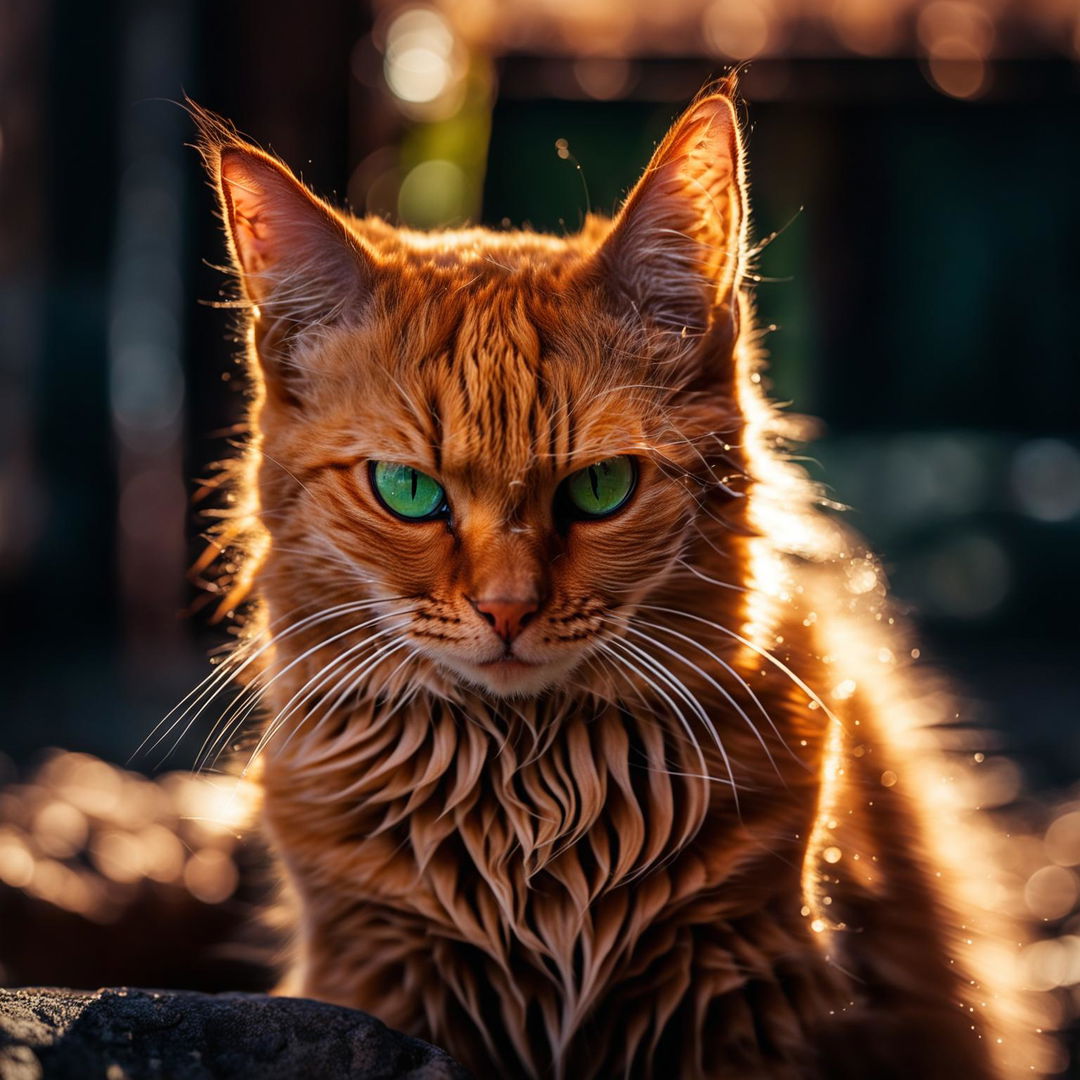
pixel 675 250
pixel 297 262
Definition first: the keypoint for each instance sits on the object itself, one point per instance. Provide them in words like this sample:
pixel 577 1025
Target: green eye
pixel 603 488
pixel 406 491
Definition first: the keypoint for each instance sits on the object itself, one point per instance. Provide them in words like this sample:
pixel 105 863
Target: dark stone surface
pixel 123 1034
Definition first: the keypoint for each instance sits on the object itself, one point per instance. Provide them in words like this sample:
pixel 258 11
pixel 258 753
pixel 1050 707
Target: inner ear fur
pixel 675 252
pixel 297 263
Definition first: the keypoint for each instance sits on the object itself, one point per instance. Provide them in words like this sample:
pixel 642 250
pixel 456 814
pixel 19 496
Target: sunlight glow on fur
pixel 691 819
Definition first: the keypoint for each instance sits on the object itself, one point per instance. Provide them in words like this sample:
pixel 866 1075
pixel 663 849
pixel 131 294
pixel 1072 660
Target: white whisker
pixel 354 675
pixel 317 681
pixel 680 688
pixel 763 653
pixel 248 701
pixel 731 671
pixel 715 685
pixel 711 580
pixel 209 687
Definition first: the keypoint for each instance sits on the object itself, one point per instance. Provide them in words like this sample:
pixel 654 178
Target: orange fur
pixel 693 828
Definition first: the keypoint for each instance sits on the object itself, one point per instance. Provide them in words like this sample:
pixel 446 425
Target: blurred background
pixel 917 163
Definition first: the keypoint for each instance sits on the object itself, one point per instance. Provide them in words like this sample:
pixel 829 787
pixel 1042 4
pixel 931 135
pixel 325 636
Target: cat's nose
pixel 507 617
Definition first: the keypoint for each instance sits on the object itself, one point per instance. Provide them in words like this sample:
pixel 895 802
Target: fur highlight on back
pixel 697 817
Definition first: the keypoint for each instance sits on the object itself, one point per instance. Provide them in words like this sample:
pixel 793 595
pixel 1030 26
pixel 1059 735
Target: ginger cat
pixel 591 750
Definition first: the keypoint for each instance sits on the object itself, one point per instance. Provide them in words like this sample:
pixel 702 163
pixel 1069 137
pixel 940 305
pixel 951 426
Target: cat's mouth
pixel 507 662
pixel 511 676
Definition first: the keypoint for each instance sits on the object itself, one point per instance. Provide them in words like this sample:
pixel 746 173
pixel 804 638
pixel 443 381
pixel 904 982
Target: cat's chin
pixel 511 677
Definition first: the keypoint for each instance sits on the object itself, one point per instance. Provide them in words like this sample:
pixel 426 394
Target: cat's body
pixel 643 793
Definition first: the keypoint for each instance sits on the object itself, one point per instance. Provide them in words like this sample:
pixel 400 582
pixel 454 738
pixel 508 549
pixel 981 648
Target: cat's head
pixel 513 439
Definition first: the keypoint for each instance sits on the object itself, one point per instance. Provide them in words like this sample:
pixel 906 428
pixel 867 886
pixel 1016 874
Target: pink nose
pixel 508 617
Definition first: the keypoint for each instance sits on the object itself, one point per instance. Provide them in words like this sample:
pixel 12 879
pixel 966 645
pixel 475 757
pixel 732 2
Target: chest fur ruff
pixel 576 900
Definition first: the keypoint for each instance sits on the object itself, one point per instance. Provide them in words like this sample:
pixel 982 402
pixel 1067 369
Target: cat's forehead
pixel 511 396
pixel 489 380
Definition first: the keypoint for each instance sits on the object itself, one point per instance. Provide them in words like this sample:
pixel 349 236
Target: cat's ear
pixel 675 251
pixel 298 264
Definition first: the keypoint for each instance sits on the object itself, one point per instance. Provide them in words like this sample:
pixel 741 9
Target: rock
pixel 124 1034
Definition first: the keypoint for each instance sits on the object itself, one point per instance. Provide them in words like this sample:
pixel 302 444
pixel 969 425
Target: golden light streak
pixel 820 845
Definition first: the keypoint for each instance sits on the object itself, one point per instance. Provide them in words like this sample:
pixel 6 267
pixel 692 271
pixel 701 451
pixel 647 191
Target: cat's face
pixel 507 438
pixel 495 464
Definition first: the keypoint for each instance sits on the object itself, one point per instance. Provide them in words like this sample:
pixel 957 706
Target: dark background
pixel 924 281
